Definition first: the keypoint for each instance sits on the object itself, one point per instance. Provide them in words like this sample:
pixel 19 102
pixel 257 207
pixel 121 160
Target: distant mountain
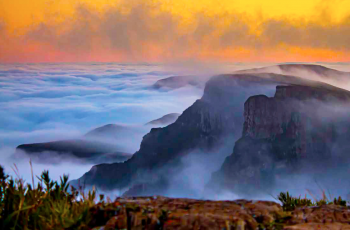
pixel 95 146
pixel 165 120
pixel 177 82
pixel 202 129
pixel 81 149
pixel 109 131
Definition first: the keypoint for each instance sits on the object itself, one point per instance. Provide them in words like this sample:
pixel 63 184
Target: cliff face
pixel 280 134
pixel 203 126
pixel 216 119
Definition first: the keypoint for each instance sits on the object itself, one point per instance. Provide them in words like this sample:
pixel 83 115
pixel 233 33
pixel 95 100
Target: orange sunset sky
pixel 174 30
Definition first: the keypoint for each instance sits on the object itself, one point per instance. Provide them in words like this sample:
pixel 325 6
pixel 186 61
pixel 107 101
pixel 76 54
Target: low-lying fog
pixel 50 102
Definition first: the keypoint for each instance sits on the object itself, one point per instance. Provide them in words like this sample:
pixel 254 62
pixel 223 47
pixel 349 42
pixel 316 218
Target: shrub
pixel 289 203
pixel 47 205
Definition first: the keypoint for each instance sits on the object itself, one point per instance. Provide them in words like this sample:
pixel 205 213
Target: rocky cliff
pixel 214 120
pixel 282 133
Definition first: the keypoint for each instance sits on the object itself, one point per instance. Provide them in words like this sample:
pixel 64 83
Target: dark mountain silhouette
pixel 81 149
pixel 95 146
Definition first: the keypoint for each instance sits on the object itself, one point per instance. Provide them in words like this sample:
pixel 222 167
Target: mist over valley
pixel 141 130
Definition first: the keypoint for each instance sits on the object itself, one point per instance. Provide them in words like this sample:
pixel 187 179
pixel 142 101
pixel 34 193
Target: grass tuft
pixel 290 203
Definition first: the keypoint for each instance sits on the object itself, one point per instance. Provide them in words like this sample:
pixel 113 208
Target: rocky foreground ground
pixel 167 213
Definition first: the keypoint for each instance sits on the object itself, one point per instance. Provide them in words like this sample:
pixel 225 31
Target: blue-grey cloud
pixel 49 102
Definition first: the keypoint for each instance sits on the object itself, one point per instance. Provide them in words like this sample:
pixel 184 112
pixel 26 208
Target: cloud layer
pixel 144 31
pixel 49 102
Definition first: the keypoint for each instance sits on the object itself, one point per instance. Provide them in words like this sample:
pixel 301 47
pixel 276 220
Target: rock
pixel 328 226
pixel 152 213
pixel 117 222
pixel 322 214
pixel 199 214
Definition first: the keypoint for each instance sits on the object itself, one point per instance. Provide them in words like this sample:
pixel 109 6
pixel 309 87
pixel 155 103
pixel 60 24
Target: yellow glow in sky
pixel 174 28
pixel 22 13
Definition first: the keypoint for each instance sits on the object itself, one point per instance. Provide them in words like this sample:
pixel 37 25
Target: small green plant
pixel 339 201
pixel 289 203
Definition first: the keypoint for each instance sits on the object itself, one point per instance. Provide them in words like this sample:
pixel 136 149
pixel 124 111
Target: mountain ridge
pixel 204 125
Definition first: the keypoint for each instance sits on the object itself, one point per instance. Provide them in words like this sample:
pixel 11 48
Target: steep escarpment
pixel 211 122
pixel 199 127
pixel 283 134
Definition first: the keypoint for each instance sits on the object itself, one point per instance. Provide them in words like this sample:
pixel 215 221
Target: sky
pixel 174 31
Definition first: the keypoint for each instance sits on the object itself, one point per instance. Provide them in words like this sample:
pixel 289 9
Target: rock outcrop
pixel 157 212
pixel 281 134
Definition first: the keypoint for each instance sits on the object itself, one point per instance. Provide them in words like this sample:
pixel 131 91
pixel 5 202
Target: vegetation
pixel 290 203
pixel 47 205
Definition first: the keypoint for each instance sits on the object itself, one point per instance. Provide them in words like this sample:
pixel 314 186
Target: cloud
pixel 71 167
pixel 49 102
pixel 145 31
pixel 43 97
pixel 307 34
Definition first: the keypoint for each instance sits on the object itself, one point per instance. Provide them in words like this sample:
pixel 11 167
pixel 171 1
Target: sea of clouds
pixel 50 102
pixel 60 101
